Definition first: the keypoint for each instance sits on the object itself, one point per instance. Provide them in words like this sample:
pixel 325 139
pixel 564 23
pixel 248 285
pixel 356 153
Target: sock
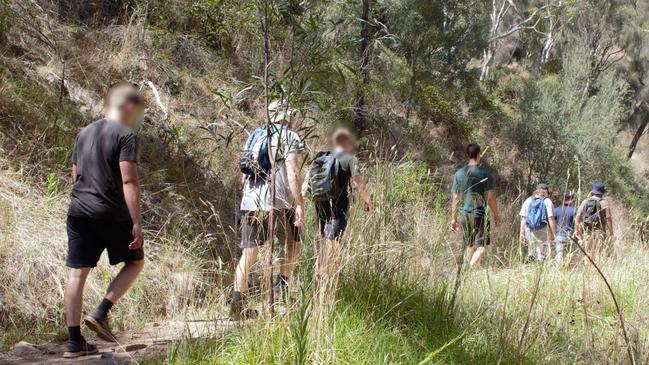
pixel 237 300
pixel 282 280
pixel 104 307
pixel 236 297
pixel 75 334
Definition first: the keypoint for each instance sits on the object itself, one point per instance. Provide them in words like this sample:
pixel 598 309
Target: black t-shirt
pixel 349 166
pixel 97 192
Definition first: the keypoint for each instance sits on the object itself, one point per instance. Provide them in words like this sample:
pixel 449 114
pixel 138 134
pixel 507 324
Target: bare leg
pixel 124 280
pixel 468 255
pixel 248 258
pixel 559 258
pixel 287 263
pixel 73 299
pixel 477 257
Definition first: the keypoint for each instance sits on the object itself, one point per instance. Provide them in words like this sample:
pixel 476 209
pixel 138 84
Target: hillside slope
pixel 402 295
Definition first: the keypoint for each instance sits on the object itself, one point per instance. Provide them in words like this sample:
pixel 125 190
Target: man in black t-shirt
pixel 104 213
pixel 332 214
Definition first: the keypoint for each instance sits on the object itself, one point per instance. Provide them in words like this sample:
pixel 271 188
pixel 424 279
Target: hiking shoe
pixel 238 312
pixel 280 290
pixel 99 324
pixel 75 349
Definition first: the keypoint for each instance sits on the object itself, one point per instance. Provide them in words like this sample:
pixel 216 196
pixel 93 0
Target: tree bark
pixel 265 20
pixel 359 103
pixel 638 134
pixel 411 89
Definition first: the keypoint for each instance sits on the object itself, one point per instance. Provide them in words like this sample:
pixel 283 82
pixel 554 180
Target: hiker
pixel 327 184
pixel 565 222
pixel 257 201
pixel 538 227
pixel 474 185
pixel 104 213
pixel 595 222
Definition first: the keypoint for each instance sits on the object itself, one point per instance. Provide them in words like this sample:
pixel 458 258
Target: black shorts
pixel 332 219
pixel 254 227
pixel 475 230
pixel 88 238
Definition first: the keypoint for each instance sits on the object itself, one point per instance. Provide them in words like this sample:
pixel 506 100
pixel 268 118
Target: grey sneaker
pixel 75 349
pixel 280 291
pixel 239 312
pixel 99 324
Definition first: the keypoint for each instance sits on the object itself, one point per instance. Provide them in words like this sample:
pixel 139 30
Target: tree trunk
pixel 638 134
pixel 411 90
pixel 265 20
pixel 359 103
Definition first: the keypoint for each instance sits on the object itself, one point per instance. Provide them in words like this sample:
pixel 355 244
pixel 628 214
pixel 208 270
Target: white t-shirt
pixel 256 193
pixel 537 235
pixel 526 207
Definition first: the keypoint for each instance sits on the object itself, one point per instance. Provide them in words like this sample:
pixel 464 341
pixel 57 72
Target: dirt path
pixel 132 347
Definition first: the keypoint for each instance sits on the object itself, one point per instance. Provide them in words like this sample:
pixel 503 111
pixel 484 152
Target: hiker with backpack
pixel 473 186
pixel 595 222
pixel 538 227
pixel 270 147
pixel 329 178
pixel 565 220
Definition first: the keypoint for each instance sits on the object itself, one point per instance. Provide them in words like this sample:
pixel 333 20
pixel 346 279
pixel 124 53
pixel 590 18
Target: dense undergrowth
pixel 400 299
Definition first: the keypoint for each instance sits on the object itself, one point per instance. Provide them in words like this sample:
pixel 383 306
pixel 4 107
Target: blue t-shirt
pixel 565 216
pixel 471 183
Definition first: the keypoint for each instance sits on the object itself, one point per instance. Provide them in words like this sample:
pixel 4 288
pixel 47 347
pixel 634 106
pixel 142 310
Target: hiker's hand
pixel 137 237
pixel 521 238
pixel 299 216
pixel 497 221
pixel 455 226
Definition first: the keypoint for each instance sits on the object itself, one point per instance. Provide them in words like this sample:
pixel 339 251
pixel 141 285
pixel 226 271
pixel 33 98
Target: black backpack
pixel 593 218
pixel 325 177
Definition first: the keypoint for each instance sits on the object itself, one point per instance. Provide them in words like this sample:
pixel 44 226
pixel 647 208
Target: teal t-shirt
pixel 472 183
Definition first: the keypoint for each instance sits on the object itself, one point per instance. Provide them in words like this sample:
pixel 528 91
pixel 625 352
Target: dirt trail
pixel 132 347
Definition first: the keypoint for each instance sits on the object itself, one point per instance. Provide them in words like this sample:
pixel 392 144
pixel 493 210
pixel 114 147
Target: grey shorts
pixel 254 227
pixel 564 244
pixel 475 230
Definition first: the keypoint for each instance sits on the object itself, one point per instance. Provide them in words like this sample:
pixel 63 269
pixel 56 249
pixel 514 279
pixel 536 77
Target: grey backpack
pixel 325 182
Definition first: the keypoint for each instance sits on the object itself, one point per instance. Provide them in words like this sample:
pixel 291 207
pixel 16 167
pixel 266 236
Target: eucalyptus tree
pixel 437 38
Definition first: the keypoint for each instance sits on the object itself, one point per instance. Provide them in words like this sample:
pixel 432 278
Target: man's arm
pixel 131 189
pixel 295 184
pixel 493 206
pixel 455 200
pixel 521 233
pixel 359 184
pixel 609 222
pixel 579 229
pixel 553 229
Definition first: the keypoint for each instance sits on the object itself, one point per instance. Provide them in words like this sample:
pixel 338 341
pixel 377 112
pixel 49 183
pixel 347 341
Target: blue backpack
pixel 255 161
pixel 537 214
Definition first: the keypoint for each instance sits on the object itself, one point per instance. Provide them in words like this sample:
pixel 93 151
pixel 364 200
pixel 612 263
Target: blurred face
pixel 130 113
pixel 344 143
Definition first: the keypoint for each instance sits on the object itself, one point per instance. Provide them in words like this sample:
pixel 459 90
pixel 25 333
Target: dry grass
pixel 176 283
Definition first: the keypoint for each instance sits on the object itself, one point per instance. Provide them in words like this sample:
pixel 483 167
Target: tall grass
pixel 396 300
pixel 400 297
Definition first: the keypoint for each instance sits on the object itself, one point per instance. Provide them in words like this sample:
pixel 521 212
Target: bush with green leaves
pixel 566 123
